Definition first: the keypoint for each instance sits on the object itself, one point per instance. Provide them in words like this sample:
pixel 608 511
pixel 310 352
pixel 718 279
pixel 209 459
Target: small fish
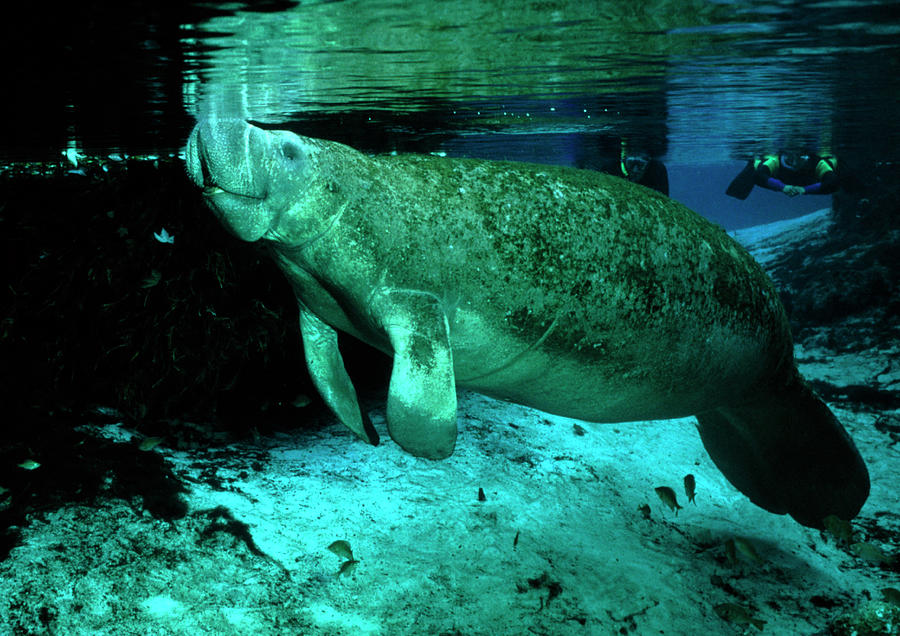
pixel 152 279
pixel 342 549
pixel 738 615
pixel 347 567
pixel 871 553
pixel 29 464
pixel 667 495
pixel 3 491
pixel 746 548
pixel 644 509
pixel 107 411
pixel 301 400
pixel 516 540
pixel 149 443
pixel 689 486
pixel 164 237
pixel 839 528
pixel 481 495
pixel 891 595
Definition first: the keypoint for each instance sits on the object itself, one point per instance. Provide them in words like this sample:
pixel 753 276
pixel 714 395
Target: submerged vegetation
pixel 124 298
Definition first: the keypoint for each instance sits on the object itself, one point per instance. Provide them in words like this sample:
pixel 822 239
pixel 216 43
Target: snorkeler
pixel 639 167
pixel 788 172
pixel 609 154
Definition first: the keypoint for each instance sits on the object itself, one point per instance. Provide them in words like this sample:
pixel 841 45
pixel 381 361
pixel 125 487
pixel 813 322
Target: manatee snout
pixel 224 153
pixel 201 152
pixel 228 158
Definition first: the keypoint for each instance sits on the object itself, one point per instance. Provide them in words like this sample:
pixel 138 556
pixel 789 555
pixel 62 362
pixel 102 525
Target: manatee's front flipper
pixel 326 368
pixel 789 454
pixel 421 406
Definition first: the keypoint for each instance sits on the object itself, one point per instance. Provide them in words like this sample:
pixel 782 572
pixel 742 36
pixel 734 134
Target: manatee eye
pixel 290 150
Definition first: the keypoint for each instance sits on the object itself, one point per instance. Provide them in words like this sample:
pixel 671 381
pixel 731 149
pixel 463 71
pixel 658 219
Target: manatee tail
pixel 789 454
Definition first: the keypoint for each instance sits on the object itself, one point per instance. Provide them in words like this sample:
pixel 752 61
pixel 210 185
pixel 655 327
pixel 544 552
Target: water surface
pixel 697 84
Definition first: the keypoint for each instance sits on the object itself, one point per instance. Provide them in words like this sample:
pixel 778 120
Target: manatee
pixel 566 290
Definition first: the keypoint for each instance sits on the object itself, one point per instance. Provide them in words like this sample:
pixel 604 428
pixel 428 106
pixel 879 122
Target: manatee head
pixel 250 177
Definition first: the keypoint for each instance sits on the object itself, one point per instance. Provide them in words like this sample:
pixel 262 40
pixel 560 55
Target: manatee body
pixel 567 290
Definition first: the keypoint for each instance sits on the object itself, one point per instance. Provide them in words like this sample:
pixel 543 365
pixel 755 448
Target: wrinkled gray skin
pixel 566 290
